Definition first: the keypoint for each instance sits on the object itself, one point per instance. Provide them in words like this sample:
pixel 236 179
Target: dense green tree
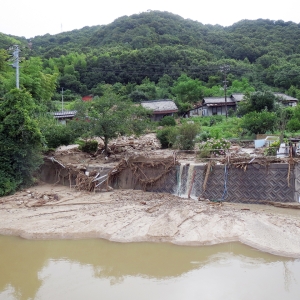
pixel 293 123
pixel 262 100
pixel 110 115
pixel 188 90
pixel 20 141
pixel 259 122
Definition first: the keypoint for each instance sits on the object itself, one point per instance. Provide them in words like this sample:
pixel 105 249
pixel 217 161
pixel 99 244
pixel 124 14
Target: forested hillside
pixel 156 44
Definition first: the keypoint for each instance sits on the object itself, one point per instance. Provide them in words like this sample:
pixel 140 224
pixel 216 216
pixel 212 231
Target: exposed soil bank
pixel 55 212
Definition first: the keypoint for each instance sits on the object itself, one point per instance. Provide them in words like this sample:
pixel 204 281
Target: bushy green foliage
pixel 293 125
pixel 20 141
pixel 89 146
pixel 187 89
pixel 181 137
pixel 259 122
pixel 185 136
pixel 213 146
pixel 56 134
pixel 225 128
pixel 167 121
pixel 204 136
pixel 256 101
pixel 215 119
pixel 262 100
pixel 165 135
pixel 272 149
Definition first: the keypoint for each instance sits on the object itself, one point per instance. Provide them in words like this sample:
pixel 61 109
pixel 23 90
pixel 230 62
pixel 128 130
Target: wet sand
pixel 57 212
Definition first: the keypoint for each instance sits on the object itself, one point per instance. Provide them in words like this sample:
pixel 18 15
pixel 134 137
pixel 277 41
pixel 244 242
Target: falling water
pixel 185 180
pixel 179 176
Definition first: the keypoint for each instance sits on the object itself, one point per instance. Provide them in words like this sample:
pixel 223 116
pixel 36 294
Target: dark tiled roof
pixel 285 97
pixel 160 106
pixel 216 100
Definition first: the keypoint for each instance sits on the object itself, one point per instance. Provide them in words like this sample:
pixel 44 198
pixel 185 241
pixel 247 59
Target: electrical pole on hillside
pixel 224 69
pixel 62 99
pixel 15 64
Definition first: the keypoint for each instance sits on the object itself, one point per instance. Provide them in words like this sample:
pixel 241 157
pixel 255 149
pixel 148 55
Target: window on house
pixel 214 110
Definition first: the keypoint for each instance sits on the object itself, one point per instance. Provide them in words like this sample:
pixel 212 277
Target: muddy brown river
pixel 99 269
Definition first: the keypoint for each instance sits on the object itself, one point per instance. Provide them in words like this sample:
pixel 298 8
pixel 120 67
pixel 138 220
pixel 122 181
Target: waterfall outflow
pixel 179 175
pixel 185 181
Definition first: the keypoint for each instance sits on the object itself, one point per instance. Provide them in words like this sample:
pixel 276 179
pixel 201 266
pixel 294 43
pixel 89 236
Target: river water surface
pixel 98 269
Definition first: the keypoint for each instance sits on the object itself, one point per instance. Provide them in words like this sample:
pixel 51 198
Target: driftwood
pixel 139 167
pixel 206 176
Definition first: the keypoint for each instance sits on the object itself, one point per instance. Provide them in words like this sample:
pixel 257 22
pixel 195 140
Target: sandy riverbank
pixel 56 212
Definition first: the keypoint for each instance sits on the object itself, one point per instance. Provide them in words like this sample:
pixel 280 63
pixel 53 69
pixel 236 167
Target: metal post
pixel 225 69
pixel 15 63
pixel 62 99
pixel 225 89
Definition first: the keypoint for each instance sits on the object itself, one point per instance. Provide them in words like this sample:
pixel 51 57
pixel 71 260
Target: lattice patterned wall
pixel 297 183
pixel 254 185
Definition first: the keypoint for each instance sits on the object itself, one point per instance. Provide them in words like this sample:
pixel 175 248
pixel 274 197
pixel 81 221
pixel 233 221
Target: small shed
pixel 160 108
pixel 65 115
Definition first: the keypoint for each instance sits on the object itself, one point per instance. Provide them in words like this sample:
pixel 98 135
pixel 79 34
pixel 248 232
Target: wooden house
pixel 286 100
pixel 160 108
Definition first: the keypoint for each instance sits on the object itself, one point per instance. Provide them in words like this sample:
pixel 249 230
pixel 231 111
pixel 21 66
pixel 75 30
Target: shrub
pixel 164 135
pixel 216 133
pixel 259 122
pixel 167 121
pixel 89 146
pixel 215 119
pixel 214 146
pixel 293 125
pixel 204 136
pixel 272 150
pixel 58 135
pixel 185 137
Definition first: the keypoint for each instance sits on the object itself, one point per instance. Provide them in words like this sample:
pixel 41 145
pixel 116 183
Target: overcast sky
pixel 30 18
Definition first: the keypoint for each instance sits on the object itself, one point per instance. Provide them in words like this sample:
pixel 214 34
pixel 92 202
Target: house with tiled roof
pixel 286 100
pixel 217 105
pixel 160 108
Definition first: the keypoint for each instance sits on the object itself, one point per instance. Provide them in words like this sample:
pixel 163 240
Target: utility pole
pixel 15 63
pixel 224 70
pixel 62 100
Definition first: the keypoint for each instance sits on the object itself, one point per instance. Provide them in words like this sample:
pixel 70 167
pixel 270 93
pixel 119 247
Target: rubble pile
pixel 129 144
pixel 29 198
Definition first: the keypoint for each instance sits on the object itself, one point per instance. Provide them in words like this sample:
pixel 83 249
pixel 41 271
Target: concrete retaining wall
pixel 254 185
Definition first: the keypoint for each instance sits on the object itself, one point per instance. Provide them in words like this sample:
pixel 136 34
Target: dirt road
pixel 50 212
